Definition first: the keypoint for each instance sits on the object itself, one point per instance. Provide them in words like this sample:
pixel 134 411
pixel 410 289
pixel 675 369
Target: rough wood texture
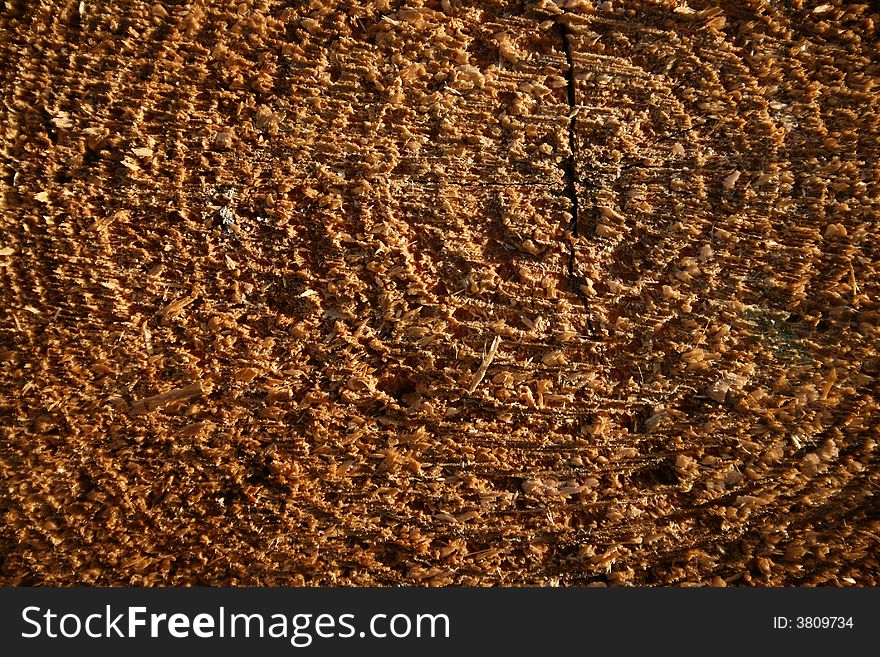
pixel 440 293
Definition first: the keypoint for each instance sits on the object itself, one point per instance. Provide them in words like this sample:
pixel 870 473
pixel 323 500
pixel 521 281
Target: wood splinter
pixel 157 401
pixel 484 366
pixel 854 286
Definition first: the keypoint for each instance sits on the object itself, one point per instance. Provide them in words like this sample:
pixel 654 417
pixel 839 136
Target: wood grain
pixel 431 293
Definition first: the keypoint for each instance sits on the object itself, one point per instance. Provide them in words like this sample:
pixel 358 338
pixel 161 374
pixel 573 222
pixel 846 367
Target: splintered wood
pixel 484 366
pixel 178 394
pixel 440 293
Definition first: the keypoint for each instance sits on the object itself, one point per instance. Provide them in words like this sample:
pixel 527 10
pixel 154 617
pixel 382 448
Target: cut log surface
pixel 430 293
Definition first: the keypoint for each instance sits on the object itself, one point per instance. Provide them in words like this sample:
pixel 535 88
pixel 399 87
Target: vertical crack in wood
pixel 571 177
